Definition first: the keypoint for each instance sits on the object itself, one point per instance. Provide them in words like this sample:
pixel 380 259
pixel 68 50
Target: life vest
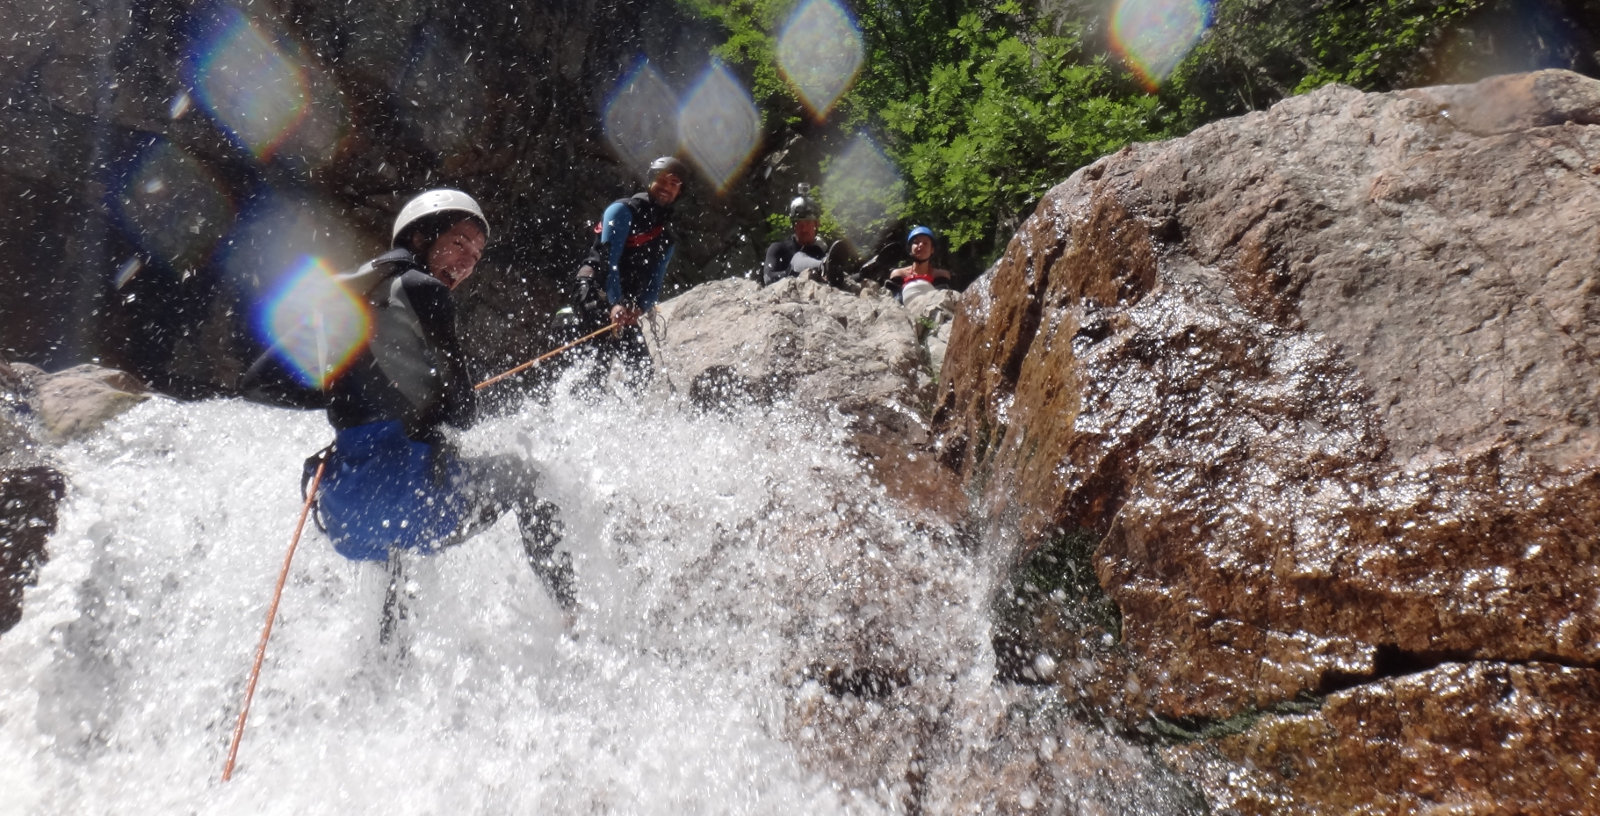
pixel 412 386
pixel 647 244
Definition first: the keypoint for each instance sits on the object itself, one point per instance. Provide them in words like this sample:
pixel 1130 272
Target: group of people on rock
pixel 392 481
pixel 802 254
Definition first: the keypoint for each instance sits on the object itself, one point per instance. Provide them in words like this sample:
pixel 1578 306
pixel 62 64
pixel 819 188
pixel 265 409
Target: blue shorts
pixel 383 491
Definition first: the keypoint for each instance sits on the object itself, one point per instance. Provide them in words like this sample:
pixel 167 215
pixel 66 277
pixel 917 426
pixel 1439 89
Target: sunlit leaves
pixel 997 128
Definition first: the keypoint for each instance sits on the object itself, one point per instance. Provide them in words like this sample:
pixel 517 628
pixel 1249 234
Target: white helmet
pixel 436 201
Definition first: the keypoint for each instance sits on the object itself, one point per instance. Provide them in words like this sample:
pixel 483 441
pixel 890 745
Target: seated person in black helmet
pixel 392 481
pixel 800 254
pixel 621 279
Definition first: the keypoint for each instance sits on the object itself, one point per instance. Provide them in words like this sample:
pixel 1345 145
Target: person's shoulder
pixel 943 274
pixel 418 279
pixel 900 271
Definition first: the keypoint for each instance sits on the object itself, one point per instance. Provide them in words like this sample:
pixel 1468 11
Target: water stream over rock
pixel 761 631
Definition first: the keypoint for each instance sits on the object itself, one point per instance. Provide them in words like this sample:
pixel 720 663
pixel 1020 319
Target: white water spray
pixel 730 571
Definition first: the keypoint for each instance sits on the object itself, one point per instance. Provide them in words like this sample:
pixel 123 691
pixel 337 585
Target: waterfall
pixel 761 630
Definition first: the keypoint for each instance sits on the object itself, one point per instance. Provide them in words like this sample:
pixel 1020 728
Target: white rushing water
pixel 724 565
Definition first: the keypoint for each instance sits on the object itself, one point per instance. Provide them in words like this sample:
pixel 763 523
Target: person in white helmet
pixel 393 482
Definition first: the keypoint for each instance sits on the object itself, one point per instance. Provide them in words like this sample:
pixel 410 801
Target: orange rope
pixel 261 650
pixel 541 358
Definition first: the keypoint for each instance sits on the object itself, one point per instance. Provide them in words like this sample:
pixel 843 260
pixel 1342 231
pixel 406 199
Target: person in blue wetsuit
pixel 393 482
pixel 620 280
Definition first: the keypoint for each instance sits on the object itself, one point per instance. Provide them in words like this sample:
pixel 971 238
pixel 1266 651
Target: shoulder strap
pixel 634 203
pixel 365 280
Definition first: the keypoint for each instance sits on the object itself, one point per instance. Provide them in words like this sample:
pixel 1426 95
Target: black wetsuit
pixel 391 482
pixel 781 254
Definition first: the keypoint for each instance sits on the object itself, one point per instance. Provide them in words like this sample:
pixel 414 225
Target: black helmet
pixel 668 164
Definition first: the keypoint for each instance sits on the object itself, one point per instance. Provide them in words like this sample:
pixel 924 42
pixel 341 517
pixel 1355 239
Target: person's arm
pixel 270 381
pixel 615 225
pixel 430 299
pixel 653 292
pixel 773 267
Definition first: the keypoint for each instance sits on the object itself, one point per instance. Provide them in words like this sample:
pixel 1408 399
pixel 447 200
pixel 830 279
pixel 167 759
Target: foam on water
pixel 721 561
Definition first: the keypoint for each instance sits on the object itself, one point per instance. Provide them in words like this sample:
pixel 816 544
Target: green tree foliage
pixel 1260 51
pixel 984 104
pixel 1012 113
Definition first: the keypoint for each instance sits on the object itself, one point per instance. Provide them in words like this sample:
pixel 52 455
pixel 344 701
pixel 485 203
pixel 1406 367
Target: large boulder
pixel 79 400
pixel 861 360
pixel 1318 384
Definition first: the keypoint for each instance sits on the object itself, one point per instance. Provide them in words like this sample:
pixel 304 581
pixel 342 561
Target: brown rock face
pixel 1323 381
pixel 1457 739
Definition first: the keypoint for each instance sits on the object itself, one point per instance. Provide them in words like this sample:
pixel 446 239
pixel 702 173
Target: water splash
pixel 726 565
pixel 172 205
pixel 820 53
pixel 1155 35
pixel 446 102
pixel 719 124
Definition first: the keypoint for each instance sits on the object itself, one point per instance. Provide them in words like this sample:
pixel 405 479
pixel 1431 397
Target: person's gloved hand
pixel 625 314
pixel 591 296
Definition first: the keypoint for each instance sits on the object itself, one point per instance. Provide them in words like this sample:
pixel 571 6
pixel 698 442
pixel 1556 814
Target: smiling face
pixel 664 190
pixel 454 256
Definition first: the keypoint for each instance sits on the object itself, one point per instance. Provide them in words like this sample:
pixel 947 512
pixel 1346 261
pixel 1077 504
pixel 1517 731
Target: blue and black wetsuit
pixel 392 482
pixel 628 262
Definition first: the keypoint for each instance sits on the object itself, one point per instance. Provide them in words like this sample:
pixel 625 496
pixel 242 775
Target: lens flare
pixel 1155 35
pixel 863 191
pixel 275 234
pixel 641 119
pixel 315 324
pixel 720 126
pixel 323 131
pixel 172 205
pixel 820 53
pixel 247 84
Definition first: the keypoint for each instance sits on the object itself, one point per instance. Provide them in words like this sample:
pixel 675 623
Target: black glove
pixel 590 298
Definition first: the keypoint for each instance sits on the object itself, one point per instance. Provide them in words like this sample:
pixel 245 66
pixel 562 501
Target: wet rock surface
pixel 81 399
pixel 1319 382
pixel 1466 738
pixel 860 360
pixel 30 488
